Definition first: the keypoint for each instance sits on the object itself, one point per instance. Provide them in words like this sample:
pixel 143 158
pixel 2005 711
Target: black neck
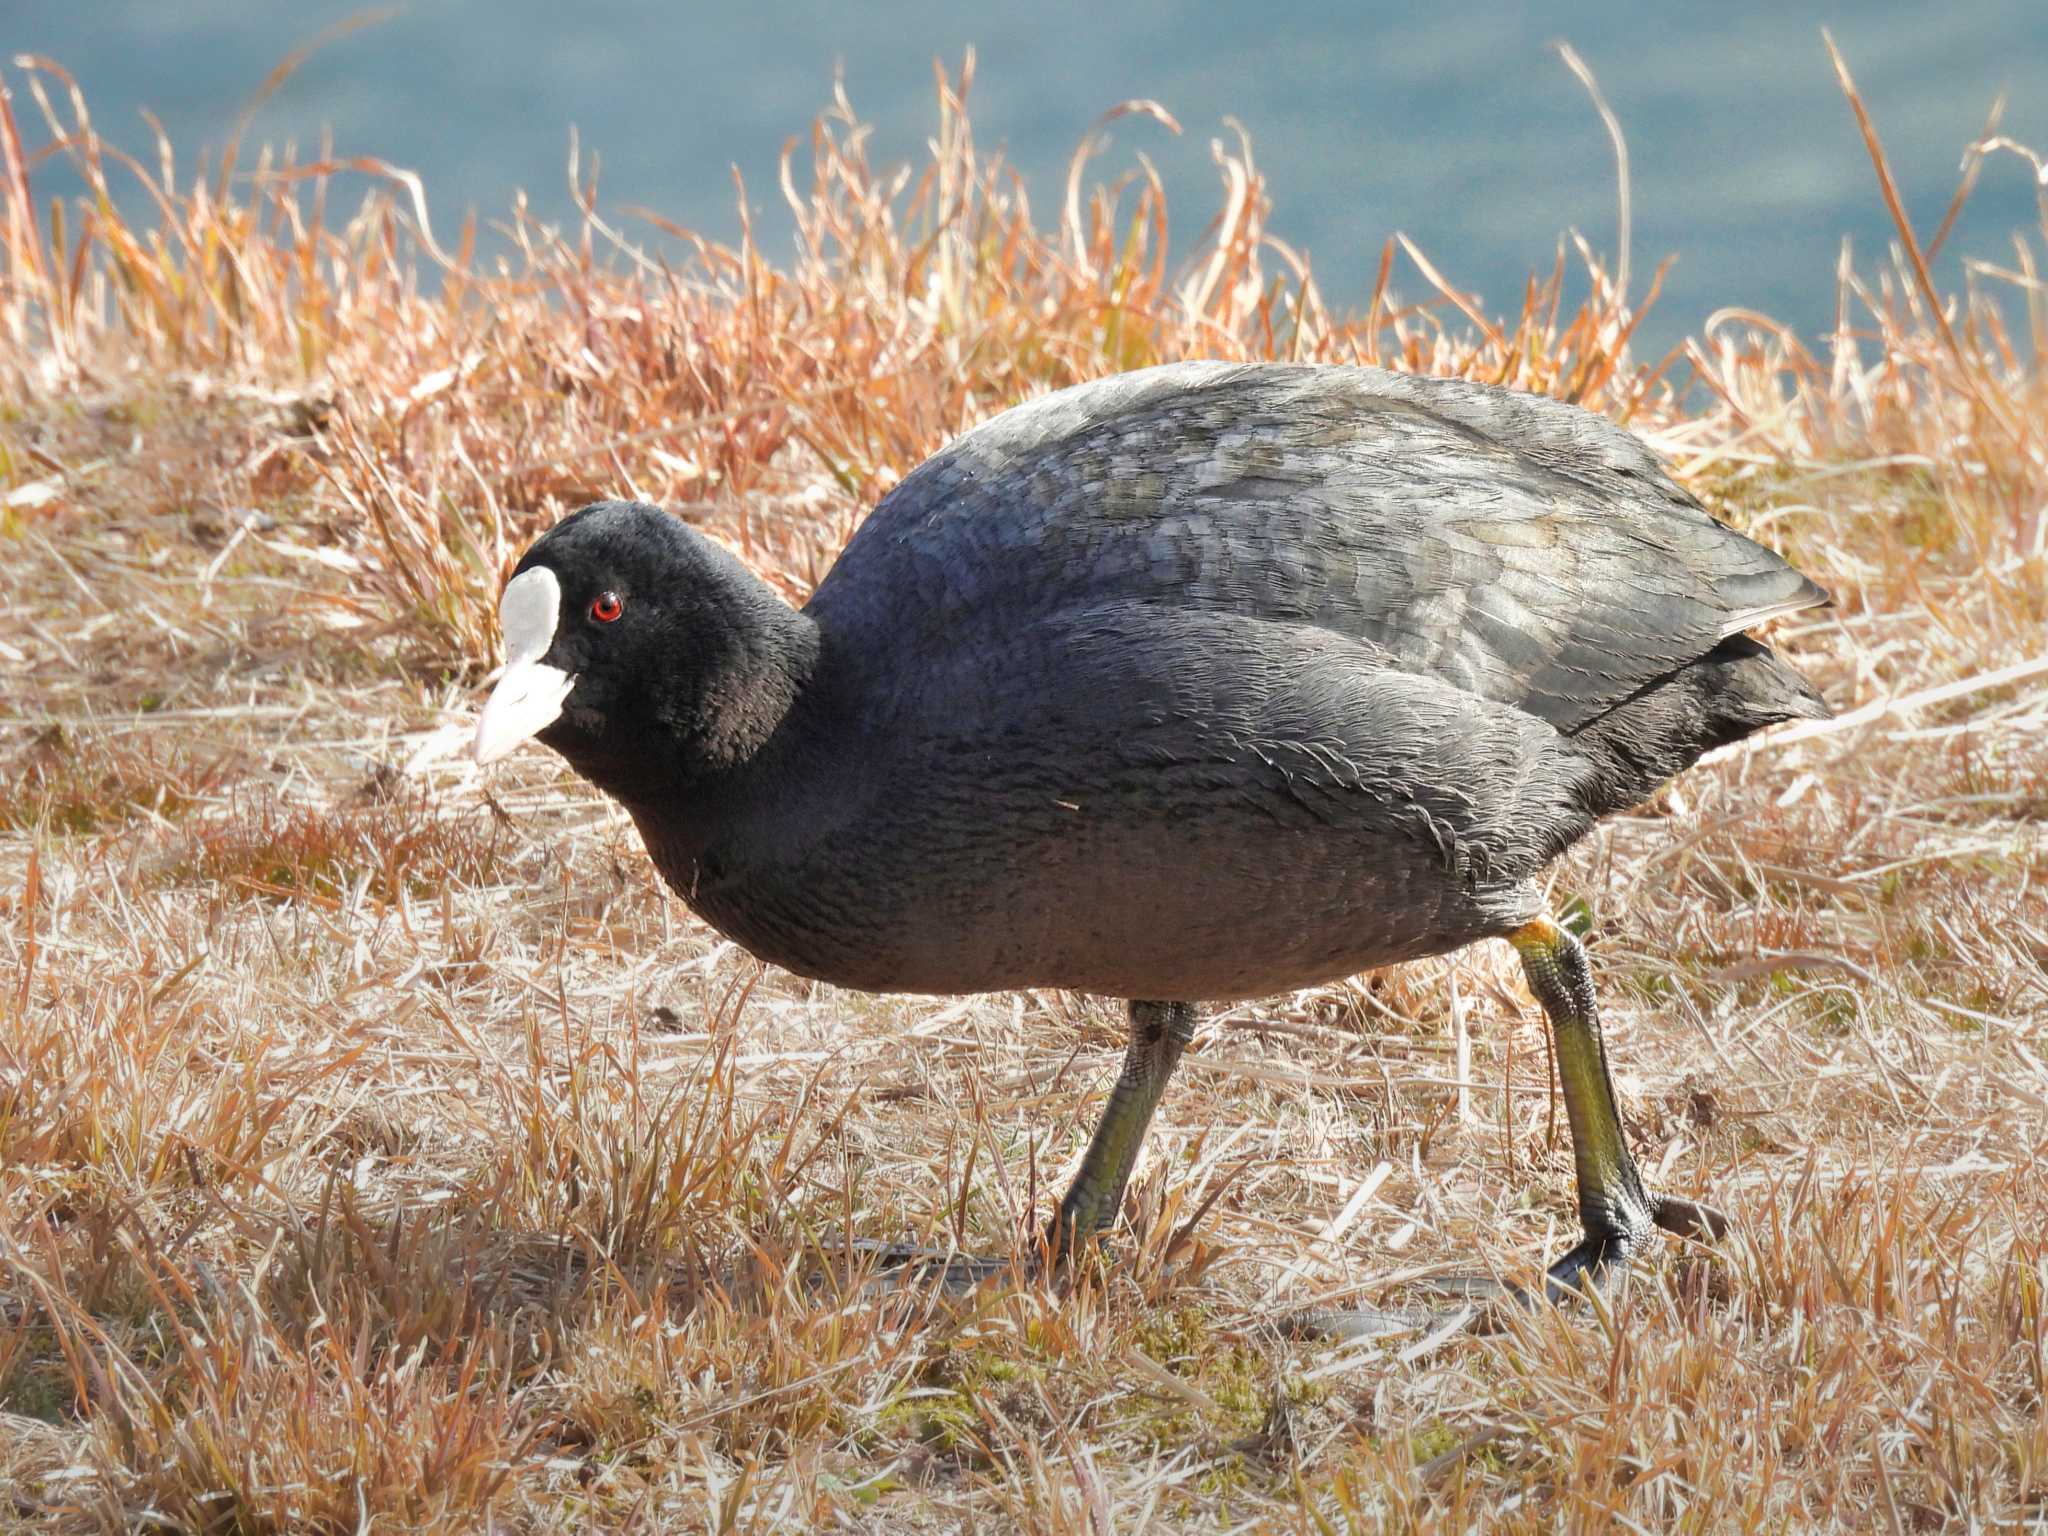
pixel 772 660
pixel 748 782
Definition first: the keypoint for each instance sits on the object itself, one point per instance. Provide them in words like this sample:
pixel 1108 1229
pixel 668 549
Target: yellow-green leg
pixel 1617 1211
pixel 1159 1033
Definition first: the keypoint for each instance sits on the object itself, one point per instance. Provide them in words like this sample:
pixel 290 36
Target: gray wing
pixel 1520 549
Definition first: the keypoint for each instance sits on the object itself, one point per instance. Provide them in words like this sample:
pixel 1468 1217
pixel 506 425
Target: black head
pixel 642 652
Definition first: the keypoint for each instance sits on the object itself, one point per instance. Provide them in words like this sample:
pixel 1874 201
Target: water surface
pixel 1456 124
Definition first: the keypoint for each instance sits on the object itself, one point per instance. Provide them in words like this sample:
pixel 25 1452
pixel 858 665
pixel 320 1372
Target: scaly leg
pixel 1617 1211
pixel 1159 1033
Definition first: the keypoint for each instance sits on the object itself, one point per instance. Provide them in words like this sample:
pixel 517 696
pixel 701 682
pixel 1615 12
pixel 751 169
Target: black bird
pixel 1188 685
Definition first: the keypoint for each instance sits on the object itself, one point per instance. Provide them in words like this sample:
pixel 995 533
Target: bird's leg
pixel 1617 1211
pixel 1159 1033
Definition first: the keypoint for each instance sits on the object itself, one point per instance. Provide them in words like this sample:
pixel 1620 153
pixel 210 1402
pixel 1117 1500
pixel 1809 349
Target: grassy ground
pixel 381 1147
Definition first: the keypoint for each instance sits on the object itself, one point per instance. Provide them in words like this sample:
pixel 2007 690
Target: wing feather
pixel 1522 549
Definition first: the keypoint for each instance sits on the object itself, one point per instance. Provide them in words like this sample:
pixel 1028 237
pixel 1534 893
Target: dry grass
pixel 382 1147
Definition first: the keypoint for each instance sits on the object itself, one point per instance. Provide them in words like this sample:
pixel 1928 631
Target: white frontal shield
pixel 529 695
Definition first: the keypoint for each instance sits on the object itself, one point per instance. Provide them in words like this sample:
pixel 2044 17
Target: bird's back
pixel 1523 550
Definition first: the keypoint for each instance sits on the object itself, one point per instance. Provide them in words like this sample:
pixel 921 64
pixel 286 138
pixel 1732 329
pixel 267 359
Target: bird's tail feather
pixel 1735 690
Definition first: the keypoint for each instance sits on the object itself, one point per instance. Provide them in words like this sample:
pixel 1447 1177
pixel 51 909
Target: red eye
pixel 606 607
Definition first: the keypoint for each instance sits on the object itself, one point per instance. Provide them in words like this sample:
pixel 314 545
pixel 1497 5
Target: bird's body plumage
pixel 1209 681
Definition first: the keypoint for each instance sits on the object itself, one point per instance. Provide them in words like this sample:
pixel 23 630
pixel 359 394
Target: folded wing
pixel 1520 549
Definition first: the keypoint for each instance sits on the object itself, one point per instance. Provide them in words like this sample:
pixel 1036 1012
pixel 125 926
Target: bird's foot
pixel 892 1269
pixel 1600 1261
pixel 1597 1264
pixel 899 1267
pixel 1344 1325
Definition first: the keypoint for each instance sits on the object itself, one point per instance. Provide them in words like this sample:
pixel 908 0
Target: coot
pixel 1187 685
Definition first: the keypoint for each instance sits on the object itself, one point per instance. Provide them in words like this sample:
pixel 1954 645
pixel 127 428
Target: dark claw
pixel 1340 1325
pixel 901 1267
pixel 1597 1264
pixel 956 1276
pixel 1687 1218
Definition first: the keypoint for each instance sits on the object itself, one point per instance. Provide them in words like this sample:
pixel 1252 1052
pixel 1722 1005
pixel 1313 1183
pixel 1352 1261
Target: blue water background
pixel 1454 123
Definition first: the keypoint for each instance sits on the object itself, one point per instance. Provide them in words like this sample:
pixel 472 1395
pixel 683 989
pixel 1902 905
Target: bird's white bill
pixel 528 699
pixel 529 696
